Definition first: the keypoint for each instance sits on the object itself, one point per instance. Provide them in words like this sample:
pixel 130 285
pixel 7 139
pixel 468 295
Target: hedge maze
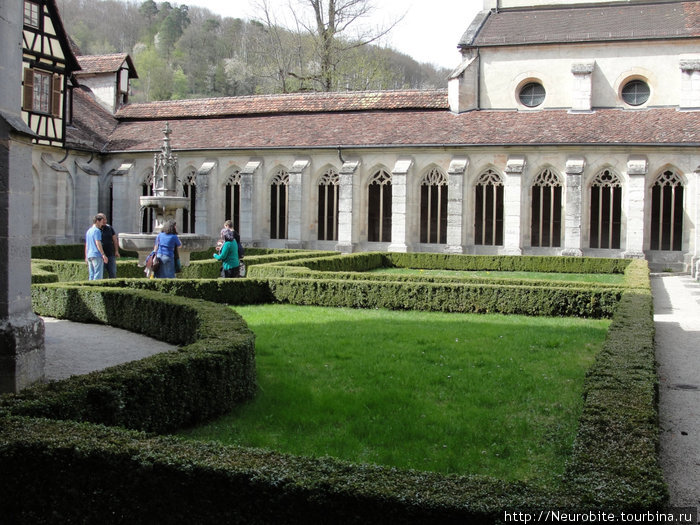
pixel 95 447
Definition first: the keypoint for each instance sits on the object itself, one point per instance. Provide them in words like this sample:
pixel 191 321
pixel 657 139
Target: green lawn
pixel 451 393
pixel 608 278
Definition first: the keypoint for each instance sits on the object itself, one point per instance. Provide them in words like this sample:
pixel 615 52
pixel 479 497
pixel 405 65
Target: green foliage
pixel 212 371
pixel 89 470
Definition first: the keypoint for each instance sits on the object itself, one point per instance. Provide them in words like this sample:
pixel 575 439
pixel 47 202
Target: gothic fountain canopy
pixel 165 202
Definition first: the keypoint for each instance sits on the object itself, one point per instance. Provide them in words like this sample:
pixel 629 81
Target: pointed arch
pixel 546 206
pixel 148 215
pixel 605 210
pixel 433 206
pixel 328 195
pixel 232 197
pixel 666 228
pixel 379 199
pixel 279 203
pixel 189 190
pixel 488 208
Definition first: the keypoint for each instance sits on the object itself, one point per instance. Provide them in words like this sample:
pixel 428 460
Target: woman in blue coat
pixel 229 256
pixel 166 243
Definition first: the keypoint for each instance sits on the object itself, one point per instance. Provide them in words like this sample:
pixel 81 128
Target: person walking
pixel 110 245
pixel 94 252
pixel 229 256
pixel 167 242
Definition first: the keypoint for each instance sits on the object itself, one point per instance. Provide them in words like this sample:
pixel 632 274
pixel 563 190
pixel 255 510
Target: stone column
pixel 636 173
pixel 295 213
pixel 346 187
pixel 455 205
pixel 695 259
pixel 573 207
pixel 399 215
pixel 512 239
pixel 205 201
pixel 121 221
pixel 248 224
pixel 21 331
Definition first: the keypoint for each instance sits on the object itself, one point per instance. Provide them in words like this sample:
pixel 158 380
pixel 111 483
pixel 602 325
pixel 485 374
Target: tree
pixel 334 29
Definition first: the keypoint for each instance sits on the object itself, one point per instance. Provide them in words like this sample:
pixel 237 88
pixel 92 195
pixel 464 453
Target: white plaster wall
pixel 104 87
pixel 505 70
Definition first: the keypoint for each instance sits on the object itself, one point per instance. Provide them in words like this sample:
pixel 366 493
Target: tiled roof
pixel 287 103
pixel 91 64
pixel 91 125
pixel 587 24
pixel 415 128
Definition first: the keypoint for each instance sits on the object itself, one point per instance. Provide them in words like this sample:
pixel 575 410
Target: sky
pixel 429 31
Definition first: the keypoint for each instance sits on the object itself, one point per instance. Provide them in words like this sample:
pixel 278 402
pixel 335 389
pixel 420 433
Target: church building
pixel 567 128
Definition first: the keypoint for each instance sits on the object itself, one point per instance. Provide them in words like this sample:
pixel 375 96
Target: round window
pixel 635 92
pixel 532 94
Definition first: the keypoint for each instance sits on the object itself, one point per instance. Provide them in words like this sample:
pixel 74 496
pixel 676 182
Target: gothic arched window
pixel 232 199
pixel 328 206
pixel 379 207
pixel 433 207
pixel 189 189
pixel 147 214
pixel 667 212
pixel 488 209
pixel 279 204
pixel 545 228
pixel 606 211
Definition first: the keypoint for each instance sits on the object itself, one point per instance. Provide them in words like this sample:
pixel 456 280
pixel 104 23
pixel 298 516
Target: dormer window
pixel 532 94
pixel 31 14
pixel 635 92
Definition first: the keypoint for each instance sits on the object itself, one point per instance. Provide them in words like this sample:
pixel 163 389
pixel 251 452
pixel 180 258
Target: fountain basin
pixel 164 202
pixel 143 243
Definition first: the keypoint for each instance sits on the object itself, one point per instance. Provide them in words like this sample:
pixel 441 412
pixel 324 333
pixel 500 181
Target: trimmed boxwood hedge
pixel 209 374
pixel 88 471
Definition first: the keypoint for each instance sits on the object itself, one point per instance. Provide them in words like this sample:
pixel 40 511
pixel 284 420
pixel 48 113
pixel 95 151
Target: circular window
pixel 635 92
pixel 532 94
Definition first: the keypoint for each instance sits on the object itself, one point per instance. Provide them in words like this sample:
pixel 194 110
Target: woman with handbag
pixel 167 243
pixel 229 256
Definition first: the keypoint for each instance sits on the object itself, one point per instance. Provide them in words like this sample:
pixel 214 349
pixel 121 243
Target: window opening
pixel 189 189
pixel 667 212
pixel 379 208
pixel 606 211
pixel 545 228
pixel 279 204
pixel 488 209
pixel 433 207
pixel 31 14
pixel 232 200
pixel 636 92
pixel 532 94
pixel 328 187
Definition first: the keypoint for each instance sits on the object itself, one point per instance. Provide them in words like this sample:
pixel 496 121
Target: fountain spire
pixel 165 168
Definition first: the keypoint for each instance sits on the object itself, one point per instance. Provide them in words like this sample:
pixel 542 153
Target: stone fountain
pixel 165 202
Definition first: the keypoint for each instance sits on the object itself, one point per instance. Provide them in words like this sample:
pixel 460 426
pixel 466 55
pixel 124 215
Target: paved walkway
pixel 677 322
pixel 76 348
pixel 73 348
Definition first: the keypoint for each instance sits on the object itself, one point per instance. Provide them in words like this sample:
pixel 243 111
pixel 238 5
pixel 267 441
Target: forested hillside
pixel 189 52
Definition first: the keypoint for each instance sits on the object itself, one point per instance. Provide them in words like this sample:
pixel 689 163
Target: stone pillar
pixel 573 207
pixel 295 195
pixel 690 82
pixel 346 230
pixel 204 201
pixel 636 173
pixel 121 221
pixel 512 192
pixel 399 215
pixel 583 86
pixel 248 224
pixel 21 331
pixel 455 205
